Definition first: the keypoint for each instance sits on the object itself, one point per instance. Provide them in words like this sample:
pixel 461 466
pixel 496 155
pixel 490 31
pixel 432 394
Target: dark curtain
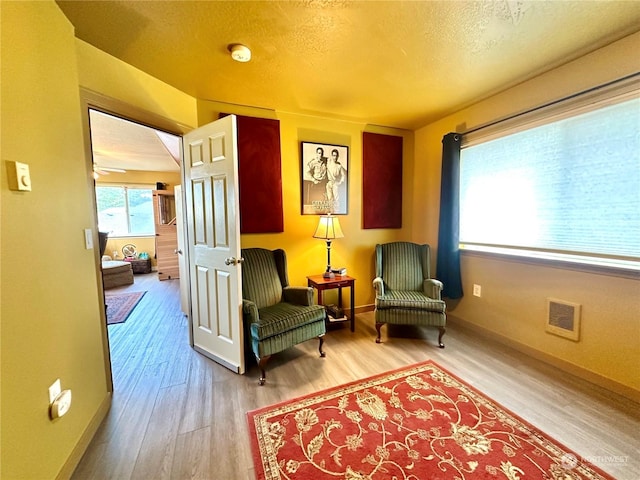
pixel 448 264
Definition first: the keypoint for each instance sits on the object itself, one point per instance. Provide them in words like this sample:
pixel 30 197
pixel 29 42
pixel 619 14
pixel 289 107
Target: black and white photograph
pixel 325 174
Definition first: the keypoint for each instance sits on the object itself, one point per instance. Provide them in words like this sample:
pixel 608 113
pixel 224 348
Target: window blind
pixel 569 183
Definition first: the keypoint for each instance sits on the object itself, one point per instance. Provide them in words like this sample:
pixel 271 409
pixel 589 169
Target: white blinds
pixel 572 185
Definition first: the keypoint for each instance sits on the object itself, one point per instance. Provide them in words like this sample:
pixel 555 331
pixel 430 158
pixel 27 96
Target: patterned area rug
pixel 120 305
pixel 416 423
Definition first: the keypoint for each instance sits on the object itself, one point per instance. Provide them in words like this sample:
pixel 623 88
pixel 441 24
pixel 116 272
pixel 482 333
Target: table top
pixel 137 260
pixel 337 280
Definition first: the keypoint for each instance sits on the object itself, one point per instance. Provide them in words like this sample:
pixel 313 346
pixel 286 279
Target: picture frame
pixel 324 175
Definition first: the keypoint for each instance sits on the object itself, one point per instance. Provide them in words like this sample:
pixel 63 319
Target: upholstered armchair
pixel 276 316
pixel 405 292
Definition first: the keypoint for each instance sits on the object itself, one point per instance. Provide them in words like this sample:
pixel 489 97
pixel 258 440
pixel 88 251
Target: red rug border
pixel 255 447
pixel 116 294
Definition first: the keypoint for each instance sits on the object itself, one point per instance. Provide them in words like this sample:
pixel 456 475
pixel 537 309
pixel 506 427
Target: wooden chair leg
pixel 262 362
pixel 378 327
pixel 442 330
pixel 321 338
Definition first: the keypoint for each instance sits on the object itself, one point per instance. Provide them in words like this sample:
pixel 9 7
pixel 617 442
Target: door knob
pixel 233 261
pixel 177 252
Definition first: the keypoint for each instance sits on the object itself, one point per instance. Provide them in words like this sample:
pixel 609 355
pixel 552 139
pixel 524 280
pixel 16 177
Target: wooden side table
pixel 340 281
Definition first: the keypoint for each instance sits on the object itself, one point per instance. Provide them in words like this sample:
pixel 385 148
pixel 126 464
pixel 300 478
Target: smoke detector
pixel 240 53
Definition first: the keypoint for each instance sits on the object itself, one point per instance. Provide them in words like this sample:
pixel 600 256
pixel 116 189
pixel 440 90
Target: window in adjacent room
pixel 125 210
pixel 567 187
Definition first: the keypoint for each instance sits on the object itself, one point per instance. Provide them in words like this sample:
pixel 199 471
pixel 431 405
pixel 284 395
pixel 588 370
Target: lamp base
pixel 329 275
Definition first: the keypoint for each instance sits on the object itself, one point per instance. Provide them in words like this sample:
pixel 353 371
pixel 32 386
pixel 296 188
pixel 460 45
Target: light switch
pixel 18 176
pixel 88 238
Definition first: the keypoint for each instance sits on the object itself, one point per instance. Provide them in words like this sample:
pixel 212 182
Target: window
pixel 125 210
pixel 567 186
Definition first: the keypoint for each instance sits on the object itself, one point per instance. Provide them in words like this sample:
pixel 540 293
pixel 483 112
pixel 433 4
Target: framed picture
pixel 324 171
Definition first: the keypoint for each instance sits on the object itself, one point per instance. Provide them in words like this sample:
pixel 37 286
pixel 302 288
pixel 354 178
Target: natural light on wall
pixel 569 187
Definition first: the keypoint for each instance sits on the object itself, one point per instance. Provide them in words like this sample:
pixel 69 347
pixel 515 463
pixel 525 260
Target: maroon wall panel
pixel 381 181
pixel 259 172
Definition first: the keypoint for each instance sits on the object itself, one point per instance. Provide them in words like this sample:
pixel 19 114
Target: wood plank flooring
pixel 177 415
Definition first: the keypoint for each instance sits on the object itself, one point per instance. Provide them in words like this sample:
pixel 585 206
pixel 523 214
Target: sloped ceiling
pixel 121 144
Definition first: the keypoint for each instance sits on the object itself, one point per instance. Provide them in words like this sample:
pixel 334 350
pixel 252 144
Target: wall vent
pixel 563 318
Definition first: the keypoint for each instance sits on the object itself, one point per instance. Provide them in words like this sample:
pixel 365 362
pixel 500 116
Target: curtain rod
pixel 552 103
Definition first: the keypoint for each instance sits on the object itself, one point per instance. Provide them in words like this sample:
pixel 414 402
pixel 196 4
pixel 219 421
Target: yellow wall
pixel 147 243
pixel 170 179
pixel 514 294
pixel 53 329
pixel 306 255
pixel 50 303
pixel 100 72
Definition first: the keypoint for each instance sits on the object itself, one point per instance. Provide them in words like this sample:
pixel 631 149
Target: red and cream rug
pixel 416 423
pixel 120 305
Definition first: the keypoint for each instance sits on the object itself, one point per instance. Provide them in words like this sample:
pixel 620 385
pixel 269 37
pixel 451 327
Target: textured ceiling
pixel 393 63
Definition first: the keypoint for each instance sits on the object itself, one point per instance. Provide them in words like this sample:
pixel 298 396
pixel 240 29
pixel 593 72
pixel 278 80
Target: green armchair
pixel 405 292
pixel 276 315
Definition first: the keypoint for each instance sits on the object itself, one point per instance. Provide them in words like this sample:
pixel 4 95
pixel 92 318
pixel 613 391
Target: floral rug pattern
pixel 120 305
pixel 415 423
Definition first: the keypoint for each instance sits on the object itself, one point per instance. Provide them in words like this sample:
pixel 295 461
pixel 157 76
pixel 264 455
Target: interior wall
pixel 61 333
pixel 305 254
pixel 51 326
pixel 108 76
pixel 170 179
pixel 513 302
pixel 102 73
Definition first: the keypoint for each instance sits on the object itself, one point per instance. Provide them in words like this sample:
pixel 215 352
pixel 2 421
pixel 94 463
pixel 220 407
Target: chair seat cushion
pixel 284 316
pixel 409 300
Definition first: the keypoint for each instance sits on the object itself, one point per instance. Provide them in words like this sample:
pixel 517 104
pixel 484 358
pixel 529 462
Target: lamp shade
pixel 328 228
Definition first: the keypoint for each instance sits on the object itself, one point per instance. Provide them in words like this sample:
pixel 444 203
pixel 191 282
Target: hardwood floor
pixel 176 414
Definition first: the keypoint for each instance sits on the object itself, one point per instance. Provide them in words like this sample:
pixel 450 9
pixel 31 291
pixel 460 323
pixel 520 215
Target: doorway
pixel 135 152
pixel 214 141
pixel 135 170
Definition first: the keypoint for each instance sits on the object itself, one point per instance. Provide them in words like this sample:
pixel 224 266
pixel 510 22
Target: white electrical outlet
pixel 477 290
pixel 61 404
pixel 54 390
pixel 59 400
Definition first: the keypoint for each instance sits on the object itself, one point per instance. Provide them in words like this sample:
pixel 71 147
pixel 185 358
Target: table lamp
pixel 328 229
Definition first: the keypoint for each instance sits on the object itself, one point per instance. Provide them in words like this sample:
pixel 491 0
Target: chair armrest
pixel 250 311
pixel 432 288
pixel 378 284
pixel 298 295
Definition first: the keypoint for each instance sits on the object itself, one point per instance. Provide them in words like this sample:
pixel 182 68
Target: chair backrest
pixel 403 265
pixel 263 276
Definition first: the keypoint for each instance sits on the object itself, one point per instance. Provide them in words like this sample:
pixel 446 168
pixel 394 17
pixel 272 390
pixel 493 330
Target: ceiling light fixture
pixel 239 52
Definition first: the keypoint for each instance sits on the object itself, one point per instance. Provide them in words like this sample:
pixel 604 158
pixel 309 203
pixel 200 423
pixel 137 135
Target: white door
pixel 213 238
pixel 182 258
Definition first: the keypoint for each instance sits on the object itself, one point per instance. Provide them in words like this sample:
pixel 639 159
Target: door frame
pixel 96 101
